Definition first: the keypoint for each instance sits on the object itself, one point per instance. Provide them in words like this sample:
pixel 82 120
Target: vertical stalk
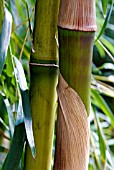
pixel 76 34
pixel 44 75
pixel 75 61
pixel 77 24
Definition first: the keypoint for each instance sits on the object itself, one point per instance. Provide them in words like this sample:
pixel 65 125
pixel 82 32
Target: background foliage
pixel 102 82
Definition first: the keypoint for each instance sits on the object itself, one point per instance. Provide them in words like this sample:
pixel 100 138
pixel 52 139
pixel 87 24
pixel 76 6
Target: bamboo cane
pixel 76 34
pixel 44 76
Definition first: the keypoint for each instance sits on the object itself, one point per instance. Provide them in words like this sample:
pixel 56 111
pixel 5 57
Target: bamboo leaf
pixel 109 78
pixel 105 22
pixel 20 75
pixel 14 155
pixel 100 49
pixel 108 44
pixel 105 49
pixel 10 117
pixel 29 2
pixel 107 66
pixel 26 105
pixel 103 88
pixel 104 6
pixel 73 132
pixel 4 124
pixel 20 114
pixel 100 102
pixel 28 121
pixel 102 143
pixel 5 38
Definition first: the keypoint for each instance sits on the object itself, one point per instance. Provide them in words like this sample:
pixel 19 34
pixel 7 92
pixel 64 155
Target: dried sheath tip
pixel 77 15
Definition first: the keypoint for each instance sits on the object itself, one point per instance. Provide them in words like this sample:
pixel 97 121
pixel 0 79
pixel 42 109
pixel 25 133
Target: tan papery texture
pixel 77 15
pixel 72 146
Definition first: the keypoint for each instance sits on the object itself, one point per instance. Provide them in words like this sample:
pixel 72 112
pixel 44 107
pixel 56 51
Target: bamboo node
pixel 44 65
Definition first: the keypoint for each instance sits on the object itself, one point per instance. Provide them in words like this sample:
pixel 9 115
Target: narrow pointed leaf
pixel 104 5
pixel 102 143
pixel 5 38
pixel 4 124
pixel 100 102
pixel 14 155
pixel 103 88
pixel 10 116
pixel 20 114
pixel 28 121
pixel 26 105
pixel 107 66
pixel 105 22
pixel 20 75
pixel 29 2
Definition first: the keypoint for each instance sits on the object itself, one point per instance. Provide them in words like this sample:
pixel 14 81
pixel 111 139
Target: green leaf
pixel 105 21
pixel 108 44
pixel 14 155
pixel 102 143
pixel 10 116
pixel 104 5
pixel 100 49
pixel 100 102
pixel 105 49
pixel 29 2
pixel 109 66
pixel 28 121
pixel 3 123
pixel 26 105
pixel 9 67
pixel 20 115
pixel 5 38
pixel 20 75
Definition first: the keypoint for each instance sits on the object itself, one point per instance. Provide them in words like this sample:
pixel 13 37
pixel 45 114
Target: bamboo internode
pixel 77 15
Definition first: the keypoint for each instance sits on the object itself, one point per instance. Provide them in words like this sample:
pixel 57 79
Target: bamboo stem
pixel 75 52
pixel 76 34
pixel 44 76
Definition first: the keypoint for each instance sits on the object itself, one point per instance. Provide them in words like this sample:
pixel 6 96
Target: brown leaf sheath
pixel 72 145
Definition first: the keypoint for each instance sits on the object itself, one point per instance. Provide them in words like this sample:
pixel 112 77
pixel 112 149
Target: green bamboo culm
pixel 1 14
pixel 76 36
pixel 76 28
pixel 75 61
pixel 44 78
